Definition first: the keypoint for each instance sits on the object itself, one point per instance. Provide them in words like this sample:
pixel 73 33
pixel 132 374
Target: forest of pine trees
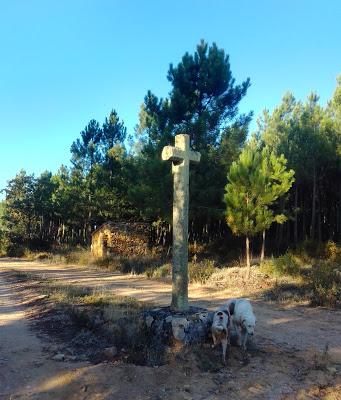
pixel 112 177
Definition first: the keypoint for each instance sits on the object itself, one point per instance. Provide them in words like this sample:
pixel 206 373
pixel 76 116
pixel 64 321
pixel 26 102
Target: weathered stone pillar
pixel 180 155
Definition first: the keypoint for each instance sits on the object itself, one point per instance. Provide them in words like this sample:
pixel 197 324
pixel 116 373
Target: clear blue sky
pixel 64 62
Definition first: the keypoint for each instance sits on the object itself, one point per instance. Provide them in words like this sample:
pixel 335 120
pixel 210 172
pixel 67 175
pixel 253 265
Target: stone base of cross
pixel 181 155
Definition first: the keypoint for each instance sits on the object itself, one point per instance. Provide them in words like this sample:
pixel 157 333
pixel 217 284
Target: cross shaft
pixel 180 155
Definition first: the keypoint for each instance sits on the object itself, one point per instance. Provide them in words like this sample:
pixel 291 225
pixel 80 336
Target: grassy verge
pixel 70 296
pixel 312 273
pixel 88 321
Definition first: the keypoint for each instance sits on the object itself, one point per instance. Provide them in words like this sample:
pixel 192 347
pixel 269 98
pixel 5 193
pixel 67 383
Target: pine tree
pixel 85 155
pixel 19 213
pixel 203 103
pixel 278 181
pixel 255 181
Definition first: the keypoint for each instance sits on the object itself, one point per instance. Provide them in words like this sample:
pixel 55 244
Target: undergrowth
pixel 312 271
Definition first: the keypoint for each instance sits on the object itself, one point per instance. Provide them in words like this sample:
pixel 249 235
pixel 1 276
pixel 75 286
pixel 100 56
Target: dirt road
pixel 28 372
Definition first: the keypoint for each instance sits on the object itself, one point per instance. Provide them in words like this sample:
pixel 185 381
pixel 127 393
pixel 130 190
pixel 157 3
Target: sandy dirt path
pixel 27 372
pixel 294 327
pixel 24 367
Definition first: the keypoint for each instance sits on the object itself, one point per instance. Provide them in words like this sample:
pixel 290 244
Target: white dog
pixel 243 318
pixel 221 330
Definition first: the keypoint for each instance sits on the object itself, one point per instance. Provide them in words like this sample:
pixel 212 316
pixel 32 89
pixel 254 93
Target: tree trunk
pixel 41 226
pixel 262 253
pixel 313 207
pixel 295 221
pixel 304 229
pixel 248 265
pixel 319 216
pixel 339 230
pixel 87 238
pixel 288 232
pixel 280 226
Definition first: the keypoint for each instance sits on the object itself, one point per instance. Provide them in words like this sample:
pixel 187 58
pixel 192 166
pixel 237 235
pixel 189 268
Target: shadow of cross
pixel 181 155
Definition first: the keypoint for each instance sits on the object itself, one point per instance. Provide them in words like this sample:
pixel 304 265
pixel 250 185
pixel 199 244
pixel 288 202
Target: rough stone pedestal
pixel 165 328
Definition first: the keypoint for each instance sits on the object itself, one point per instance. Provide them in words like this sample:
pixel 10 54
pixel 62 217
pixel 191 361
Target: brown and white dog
pixel 221 330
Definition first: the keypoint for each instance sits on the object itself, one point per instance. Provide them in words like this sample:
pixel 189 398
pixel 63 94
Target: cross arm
pixel 194 156
pixel 170 153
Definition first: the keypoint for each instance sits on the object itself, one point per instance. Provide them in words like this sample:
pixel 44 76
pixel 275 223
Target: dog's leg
pixel 244 340
pixel 224 345
pixel 244 352
pixel 238 331
pixel 214 340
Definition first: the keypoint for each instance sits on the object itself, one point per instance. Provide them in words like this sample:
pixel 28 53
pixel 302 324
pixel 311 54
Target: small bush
pixel 268 267
pixel 288 264
pixel 42 256
pixel 137 264
pixel 17 250
pixel 160 272
pixel 133 264
pixel 4 243
pixel 112 263
pixel 332 251
pixel 201 271
pixel 81 257
pixel 326 284
pixel 309 249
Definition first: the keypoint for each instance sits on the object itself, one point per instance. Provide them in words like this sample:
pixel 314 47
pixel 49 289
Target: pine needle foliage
pixel 255 181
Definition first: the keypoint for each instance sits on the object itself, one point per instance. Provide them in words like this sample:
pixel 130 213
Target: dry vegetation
pixel 295 276
pixel 87 322
pixel 310 274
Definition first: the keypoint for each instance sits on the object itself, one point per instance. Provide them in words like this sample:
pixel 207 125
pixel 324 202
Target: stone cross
pixel 180 155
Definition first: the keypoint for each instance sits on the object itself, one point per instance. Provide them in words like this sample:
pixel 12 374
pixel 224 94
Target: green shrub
pixel 125 265
pixel 112 263
pixel 79 256
pixel 268 267
pixel 288 264
pixel 42 256
pixel 4 243
pixel 17 250
pixel 137 264
pixel 331 250
pixel 160 272
pixel 309 249
pixel 201 271
pixel 326 284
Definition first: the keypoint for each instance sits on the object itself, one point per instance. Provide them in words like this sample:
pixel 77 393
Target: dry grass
pixel 113 307
pixel 199 272
pixel 292 277
pixel 70 297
